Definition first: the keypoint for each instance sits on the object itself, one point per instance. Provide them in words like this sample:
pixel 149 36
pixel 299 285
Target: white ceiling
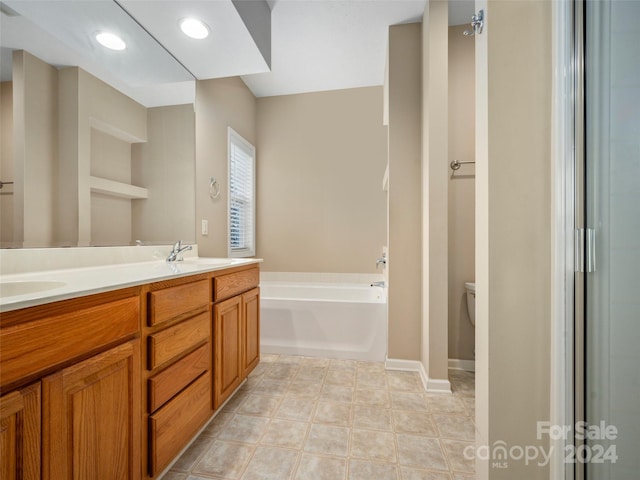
pixel 315 45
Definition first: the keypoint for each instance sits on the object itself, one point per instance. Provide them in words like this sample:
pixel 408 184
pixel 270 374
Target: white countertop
pixel 78 282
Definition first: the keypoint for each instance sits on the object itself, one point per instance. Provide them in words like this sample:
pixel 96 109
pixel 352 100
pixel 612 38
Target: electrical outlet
pixel 205 227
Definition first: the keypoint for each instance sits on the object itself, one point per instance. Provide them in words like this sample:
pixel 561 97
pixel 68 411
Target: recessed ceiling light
pixel 111 41
pixel 194 28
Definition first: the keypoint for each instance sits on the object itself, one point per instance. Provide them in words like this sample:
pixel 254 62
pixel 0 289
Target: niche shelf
pixel 117 189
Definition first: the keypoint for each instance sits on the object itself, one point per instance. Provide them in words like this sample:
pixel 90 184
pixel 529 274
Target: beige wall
pixel 321 159
pixel 110 216
pixel 405 210
pixel 98 124
pixel 35 143
pixel 513 220
pixel 220 103
pixel 165 165
pixel 435 111
pixel 6 163
pixel 461 190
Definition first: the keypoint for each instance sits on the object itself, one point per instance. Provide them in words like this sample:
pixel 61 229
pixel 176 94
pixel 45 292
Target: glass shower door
pixel 612 214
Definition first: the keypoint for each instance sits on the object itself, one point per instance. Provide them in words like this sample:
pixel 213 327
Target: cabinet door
pixel 91 418
pixel 20 434
pixel 251 331
pixel 227 321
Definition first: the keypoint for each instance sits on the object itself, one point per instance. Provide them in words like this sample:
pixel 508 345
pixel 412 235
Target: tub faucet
pixel 378 284
pixel 176 252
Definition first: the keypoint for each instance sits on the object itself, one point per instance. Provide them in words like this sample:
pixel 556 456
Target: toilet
pixel 470 287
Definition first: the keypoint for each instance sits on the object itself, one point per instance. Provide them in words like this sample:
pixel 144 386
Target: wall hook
pixel 214 188
pixel 477 24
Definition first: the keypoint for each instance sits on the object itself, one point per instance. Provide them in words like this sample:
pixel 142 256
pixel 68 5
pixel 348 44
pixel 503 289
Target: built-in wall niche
pixel 94 167
pixel 111 188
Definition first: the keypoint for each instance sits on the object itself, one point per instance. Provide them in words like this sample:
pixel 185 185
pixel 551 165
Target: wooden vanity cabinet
pixel 70 380
pixel 113 386
pixel 20 434
pixel 91 418
pixel 177 367
pixel 236 321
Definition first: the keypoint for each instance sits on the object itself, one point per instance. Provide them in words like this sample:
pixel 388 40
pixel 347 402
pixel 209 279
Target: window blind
pixel 241 196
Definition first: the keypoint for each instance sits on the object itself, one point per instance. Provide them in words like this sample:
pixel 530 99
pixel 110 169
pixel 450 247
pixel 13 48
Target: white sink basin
pixel 10 289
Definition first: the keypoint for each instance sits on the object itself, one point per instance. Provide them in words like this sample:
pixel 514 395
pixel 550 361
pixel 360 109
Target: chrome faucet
pixel 378 284
pixel 382 260
pixel 176 252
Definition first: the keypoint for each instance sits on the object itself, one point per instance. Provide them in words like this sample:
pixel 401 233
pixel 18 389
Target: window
pixel 242 204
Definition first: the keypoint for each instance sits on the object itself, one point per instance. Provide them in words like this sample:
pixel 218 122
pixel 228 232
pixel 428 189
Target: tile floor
pixel 309 418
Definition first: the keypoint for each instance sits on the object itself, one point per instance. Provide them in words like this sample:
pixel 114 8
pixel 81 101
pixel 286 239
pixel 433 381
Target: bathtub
pixel 346 320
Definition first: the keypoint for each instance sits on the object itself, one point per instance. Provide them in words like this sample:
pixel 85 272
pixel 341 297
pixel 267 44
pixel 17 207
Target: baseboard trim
pixel 458 364
pixel 430 385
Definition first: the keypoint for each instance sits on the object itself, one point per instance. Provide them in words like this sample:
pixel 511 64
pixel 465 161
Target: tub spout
pixel 378 284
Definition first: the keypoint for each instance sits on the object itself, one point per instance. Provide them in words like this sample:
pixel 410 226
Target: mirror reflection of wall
pixel 91 166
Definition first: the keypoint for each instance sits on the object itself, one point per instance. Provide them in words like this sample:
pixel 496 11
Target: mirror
pixel 97 148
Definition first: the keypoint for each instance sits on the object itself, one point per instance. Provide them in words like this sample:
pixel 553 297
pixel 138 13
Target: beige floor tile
pixel 372 366
pixel 470 404
pixel 328 440
pixel 251 382
pixel 371 379
pixel 271 463
pixel 189 458
pixel 422 452
pixel 217 424
pixel 414 474
pixel 375 418
pixel 304 389
pixel 175 476
pixel 285 433
pixel 420 423
pixel 315 467
pixel 262 405
pixel 341 364
pixel 311 374
pixel 293 359
pixel 260 369
pixel 268 357
pixel 372 398
pixel 336 393
pixel 345 378
pixel 322 419
pixel 458 427
pixel 333 413
pixel 271 386
pixel 368 470
pixel 408 401
pixel 404 381
pixel 373 445
pixel 234 402
pixel 445 404
pixel 294 408
pixel 457 453
pixel 244 428
pixel 226 460
pixel 282 371
pixel 316 361
pixel 460 476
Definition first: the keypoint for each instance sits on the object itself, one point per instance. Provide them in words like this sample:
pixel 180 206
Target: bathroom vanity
pixel 114 384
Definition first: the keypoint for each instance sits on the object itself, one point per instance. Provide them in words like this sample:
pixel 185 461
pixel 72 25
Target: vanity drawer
pixel 231 284
pixel 41 339
pixel 170 343
pixel 169 382
pixel 174 425
pixel 171 302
